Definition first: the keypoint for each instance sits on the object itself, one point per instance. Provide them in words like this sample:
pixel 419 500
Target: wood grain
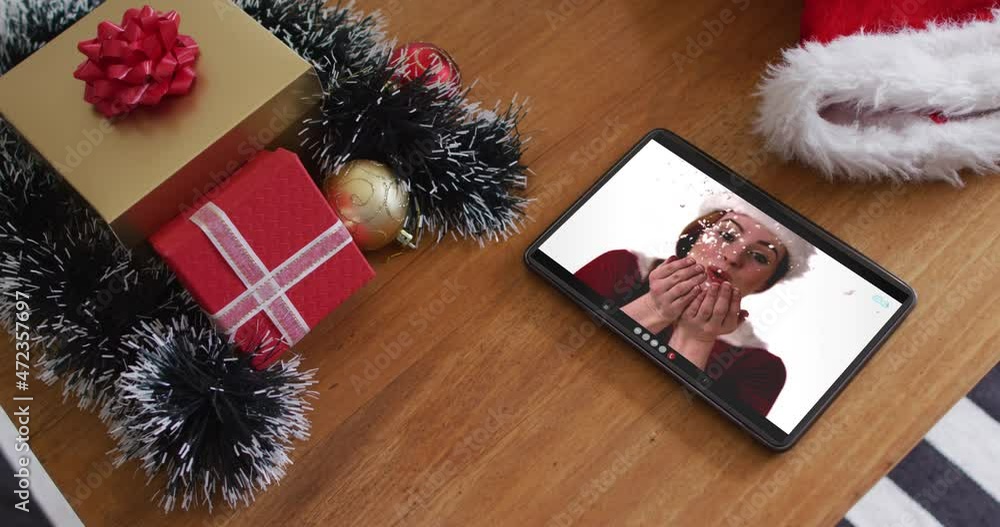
pixel 445 398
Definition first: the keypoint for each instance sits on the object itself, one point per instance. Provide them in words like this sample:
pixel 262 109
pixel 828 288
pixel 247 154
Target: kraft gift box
pixel 141 170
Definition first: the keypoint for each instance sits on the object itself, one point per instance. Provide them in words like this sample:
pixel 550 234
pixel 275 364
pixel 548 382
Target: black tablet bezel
pixel 696 380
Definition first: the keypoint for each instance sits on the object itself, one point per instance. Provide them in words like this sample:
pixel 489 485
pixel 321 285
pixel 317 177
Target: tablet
pixel 760 311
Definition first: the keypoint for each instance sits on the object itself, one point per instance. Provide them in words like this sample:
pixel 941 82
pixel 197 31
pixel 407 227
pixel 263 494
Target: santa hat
pixel 799 250
pixel 905 90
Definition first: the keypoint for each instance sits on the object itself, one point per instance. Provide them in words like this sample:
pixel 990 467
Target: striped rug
pixel 951 479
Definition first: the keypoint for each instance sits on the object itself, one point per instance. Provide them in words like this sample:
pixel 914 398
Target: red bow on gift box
pixel 138 62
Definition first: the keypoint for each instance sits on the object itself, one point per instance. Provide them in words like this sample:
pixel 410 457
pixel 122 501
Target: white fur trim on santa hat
pixel 799 250
pixel 948 68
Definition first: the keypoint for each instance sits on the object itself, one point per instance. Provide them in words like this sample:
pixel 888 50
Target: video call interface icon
pixel 653 343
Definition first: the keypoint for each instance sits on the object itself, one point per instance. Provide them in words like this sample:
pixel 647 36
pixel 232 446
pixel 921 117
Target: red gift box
pixel 265 255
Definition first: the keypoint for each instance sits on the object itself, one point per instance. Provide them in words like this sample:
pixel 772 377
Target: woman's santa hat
pixel 907 90
pixel 799 250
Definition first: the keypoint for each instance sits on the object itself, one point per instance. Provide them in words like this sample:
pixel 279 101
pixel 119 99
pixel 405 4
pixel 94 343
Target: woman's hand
pixel 672 288
pixel 713 313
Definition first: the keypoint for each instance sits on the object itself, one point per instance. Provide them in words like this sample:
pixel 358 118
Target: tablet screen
pixel 714 284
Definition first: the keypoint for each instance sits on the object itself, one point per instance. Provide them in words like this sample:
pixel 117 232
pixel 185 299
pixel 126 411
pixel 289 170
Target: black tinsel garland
pixel 29 24
pixel 202 416
pixel 123 337
pixel 459 163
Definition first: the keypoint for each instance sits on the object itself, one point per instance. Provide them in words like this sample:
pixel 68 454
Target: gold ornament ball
pixel 370 200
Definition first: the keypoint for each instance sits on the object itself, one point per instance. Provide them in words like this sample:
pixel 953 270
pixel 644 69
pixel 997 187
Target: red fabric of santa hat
pixel 907 90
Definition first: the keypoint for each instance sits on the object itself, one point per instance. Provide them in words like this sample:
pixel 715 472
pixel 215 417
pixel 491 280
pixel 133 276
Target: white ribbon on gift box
pixel 266 289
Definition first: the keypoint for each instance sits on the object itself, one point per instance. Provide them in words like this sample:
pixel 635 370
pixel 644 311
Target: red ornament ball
pixel 416 59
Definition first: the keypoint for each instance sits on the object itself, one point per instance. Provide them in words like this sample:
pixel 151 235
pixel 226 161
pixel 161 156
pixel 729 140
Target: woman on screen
pixel 692 300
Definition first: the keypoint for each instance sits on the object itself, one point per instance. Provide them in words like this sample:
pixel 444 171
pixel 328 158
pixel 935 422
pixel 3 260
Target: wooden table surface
pixel 459 389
